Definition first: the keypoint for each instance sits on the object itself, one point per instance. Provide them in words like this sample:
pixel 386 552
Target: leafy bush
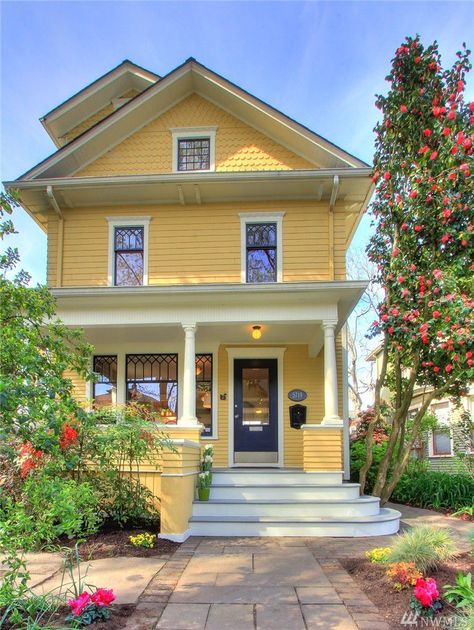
pixel 403 574
pixel 462 593
pixel 358 456
pixel 50 508
pixel 425 546
pixel 435 490
pixel 379 554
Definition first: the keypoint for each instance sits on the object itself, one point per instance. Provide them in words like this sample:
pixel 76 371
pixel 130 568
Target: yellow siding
pixel 192 244
pixel 52 251
pixel 238 146
pixel 322 449
pixel 94 119
pixel 79 385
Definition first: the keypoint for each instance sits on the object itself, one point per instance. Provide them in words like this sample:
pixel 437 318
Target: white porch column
pixel 331 413
pixel 188 415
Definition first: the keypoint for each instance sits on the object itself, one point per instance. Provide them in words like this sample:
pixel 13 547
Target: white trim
pixel 188 474
pixel 179 538
pixel 130 221
pixel 255 353
pixel 260 217
pixel 181 133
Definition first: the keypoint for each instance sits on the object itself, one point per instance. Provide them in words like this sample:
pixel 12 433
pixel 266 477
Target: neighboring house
pixel 439 446
pixel 199 237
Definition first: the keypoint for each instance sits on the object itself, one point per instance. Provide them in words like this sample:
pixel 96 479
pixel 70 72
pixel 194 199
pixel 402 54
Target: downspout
pixel 332 203
pixel 59 258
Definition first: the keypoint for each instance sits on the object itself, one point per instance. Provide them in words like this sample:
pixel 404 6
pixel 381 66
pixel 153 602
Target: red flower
pixel 387 175
pixel 471 106
pixel 403 109
pixel 446 131
pixel 418 228
pixel 103 597
pixel 68 436
pixel 436 314
pixel 452 115
pixel 436 111
pixel 427 132
pixel 449 368
pixel 436 368
pixel 413 194
pixel 423 149
pixel 78 605
pixel 434 155
pixel 404 226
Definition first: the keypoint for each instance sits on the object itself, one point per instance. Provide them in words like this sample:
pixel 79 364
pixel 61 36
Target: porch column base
pixel 322 447
pixel 180 470
pixel 332 420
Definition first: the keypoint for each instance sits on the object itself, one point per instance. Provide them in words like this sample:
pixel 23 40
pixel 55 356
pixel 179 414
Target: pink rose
pixel 103 597
pixel 78 605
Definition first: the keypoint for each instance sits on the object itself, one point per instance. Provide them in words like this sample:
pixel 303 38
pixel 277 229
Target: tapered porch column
pixel 188 416
pixel 331 413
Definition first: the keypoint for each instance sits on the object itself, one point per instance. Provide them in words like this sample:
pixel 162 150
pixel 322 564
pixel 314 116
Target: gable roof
pixel 93 97
pixel 187 78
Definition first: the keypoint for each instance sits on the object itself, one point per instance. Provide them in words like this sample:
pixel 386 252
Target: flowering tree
pixel 422 245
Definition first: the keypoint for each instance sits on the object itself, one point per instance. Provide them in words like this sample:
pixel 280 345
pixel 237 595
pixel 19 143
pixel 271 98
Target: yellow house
pixel 199 236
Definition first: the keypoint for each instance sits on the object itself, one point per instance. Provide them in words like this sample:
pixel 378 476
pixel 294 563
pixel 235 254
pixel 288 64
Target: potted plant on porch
pixel 207 460
pixel 204 487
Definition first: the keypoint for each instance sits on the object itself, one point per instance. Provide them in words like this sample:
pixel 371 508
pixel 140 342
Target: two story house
pixel 198 236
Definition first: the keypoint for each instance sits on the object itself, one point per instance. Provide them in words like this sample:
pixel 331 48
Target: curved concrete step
pixel 284 491
pixel 284 508
pixel 386 522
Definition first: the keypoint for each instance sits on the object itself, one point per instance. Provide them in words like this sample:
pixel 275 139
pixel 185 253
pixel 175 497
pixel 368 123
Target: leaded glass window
pixel 204 391
pixel 129 256
pixel 152 380
pixel 194 154
pixel 261 242
pixel 105 388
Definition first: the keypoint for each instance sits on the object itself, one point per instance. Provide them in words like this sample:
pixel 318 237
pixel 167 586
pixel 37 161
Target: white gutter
pixel 183 178
pixel 332 203
pixel 60 251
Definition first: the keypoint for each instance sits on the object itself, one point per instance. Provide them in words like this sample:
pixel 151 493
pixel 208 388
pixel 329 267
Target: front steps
pixel 266 502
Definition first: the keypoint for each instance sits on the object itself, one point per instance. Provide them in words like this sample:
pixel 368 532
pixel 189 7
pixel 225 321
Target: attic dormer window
pixel 194 149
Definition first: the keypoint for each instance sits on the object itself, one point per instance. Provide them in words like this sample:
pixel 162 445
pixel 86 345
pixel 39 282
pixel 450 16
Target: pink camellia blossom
pixel 403 109
pixel 437 273
pixel 436 314
pixel 103 597
pixel 78 605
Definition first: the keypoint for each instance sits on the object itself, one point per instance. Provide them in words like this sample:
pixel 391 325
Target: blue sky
pixel 319 62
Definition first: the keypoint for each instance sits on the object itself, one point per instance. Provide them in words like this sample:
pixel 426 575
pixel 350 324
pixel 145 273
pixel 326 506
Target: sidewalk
pixel 413 516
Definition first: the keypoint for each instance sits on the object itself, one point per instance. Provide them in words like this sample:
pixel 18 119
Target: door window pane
pixel 152 380
pixel 255 396
pixel 204 391
pixel 104 391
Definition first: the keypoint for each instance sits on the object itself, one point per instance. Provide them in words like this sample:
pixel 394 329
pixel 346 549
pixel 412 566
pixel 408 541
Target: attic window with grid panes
pixel 193 150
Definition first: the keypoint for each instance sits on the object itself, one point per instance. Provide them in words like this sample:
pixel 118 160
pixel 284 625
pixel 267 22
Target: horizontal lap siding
pixel 191 244
pixel 221 445
pixel 322 450
pixel 79 385
pixel 52 250
pixel 238 146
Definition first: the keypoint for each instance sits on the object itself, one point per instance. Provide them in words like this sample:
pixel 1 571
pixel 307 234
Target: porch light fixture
pixel 256 332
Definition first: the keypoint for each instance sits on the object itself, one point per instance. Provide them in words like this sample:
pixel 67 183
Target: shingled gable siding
pixel 238 146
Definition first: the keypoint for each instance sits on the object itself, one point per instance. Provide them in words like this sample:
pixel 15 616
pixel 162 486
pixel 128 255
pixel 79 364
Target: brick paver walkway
pixel 258 584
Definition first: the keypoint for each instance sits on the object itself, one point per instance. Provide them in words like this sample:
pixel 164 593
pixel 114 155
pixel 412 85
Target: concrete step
pixel 274 476
pixel 295 491
pixel 386 522
pixel 284 508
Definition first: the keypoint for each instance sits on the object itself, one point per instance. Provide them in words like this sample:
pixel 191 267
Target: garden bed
pixel 392 604
pixel 111 543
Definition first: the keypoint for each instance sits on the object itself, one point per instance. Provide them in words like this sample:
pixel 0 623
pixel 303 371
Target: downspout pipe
pixel 59 258
pixel 332 203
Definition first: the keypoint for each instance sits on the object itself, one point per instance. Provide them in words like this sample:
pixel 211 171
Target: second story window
pixel 261 244
pixel 261 247
pixel 129 256
pixel 128 251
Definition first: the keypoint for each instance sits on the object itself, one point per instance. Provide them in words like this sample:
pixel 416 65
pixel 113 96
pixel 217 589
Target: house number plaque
pixel 297 395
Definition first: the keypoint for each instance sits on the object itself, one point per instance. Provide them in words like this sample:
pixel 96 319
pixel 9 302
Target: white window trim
pixel 130 221
pixel 182 133
pixel 260 217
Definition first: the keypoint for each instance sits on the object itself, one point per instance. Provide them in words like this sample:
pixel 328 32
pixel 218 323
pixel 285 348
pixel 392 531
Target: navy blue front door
pixel 255 411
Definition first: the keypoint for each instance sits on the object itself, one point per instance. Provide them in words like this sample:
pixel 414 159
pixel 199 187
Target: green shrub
pixel 462 593
pixel 358 457
pixel 434 490
pixel 426 546
pixel 50 508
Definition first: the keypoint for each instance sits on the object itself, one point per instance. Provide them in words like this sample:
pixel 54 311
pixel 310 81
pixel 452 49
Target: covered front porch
pixel 192 354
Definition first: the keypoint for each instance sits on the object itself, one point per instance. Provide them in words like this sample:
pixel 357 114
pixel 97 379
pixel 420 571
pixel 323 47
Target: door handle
pixel 236 416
